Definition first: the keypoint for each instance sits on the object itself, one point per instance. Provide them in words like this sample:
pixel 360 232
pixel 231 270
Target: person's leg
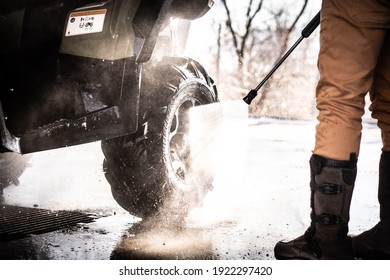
pixel 375 243
pixel 347 58
pixel 331 184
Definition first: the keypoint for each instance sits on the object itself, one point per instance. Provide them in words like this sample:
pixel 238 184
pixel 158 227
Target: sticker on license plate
pixel 86 22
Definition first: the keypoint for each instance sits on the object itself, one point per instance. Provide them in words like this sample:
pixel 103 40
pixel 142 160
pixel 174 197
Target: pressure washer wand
pixel 306 32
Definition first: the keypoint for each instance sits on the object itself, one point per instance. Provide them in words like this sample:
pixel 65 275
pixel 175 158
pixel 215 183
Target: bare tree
pixel 290 29
pixel 240 47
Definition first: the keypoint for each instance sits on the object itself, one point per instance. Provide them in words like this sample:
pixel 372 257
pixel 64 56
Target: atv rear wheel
pixel 151 172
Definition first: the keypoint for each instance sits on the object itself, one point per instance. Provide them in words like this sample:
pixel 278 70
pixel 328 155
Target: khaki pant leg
pixel 348 55
pixel 380 94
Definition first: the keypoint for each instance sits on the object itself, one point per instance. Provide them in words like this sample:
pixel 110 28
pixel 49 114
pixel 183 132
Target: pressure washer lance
pixel 306 32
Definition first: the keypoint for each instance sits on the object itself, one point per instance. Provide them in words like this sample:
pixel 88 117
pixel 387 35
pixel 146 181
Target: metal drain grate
pixel 18 222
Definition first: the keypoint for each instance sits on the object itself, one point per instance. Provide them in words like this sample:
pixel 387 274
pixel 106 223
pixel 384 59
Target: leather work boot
pixel 375 243
pixel 332 183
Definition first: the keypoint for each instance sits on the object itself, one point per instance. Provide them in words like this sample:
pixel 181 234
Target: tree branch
pixel 229 25
pixel 290 29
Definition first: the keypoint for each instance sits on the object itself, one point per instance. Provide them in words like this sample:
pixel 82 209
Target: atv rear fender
pixel 123 28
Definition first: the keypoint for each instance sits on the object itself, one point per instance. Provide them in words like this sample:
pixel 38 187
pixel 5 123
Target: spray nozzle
pixel 251 95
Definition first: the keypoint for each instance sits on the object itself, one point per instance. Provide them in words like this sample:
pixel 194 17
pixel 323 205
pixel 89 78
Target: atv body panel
pixel 73 72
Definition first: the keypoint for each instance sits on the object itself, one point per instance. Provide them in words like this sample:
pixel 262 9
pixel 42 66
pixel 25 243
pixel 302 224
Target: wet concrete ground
pixel 261 195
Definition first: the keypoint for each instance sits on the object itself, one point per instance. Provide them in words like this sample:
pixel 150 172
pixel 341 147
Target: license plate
pixel 85 22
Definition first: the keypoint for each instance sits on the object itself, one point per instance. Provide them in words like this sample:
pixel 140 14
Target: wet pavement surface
pixel 261 195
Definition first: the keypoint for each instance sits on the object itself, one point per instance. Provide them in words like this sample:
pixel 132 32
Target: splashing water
pixel 218 136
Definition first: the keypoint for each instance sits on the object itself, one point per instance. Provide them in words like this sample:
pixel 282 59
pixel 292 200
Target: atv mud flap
pixel 100 125
pixel 103 124
pixel 7 139
pixel 110 119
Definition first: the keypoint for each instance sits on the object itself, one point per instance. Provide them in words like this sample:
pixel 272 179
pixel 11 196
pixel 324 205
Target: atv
pixel 80 71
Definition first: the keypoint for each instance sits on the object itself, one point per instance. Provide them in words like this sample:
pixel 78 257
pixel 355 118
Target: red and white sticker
pixel 85 22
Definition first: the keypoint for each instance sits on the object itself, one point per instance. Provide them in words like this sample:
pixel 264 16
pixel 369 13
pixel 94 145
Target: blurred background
pixel 239 42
